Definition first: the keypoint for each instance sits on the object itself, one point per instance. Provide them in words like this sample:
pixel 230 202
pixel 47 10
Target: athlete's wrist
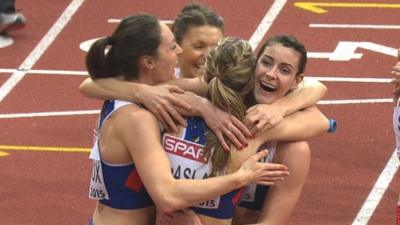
pixel 241 178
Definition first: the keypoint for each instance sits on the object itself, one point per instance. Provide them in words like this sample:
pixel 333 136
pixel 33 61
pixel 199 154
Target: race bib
pixel 188 162
pixel 97 189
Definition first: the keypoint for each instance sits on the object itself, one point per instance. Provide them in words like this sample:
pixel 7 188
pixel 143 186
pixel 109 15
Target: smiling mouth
pixel 267 87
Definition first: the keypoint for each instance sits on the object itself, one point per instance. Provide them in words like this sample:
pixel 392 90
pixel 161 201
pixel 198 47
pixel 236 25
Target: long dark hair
pixel 134 37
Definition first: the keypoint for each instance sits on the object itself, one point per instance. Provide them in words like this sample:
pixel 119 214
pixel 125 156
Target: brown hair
pixel 195 15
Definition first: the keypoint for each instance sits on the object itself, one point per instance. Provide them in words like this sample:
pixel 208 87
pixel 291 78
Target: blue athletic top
pixel 185 151
pixel 116 185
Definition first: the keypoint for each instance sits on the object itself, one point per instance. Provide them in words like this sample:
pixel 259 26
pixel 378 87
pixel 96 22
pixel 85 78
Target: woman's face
pixel 275 73
pixel 196 44
pixel 167 56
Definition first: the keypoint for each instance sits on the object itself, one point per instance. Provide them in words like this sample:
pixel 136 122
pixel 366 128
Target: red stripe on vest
pixel 134 182
pixel 238 195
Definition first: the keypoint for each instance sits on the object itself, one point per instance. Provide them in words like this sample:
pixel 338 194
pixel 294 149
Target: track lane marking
pixel 3 154
pixel 266 22
pixel 43 148
pixel 327 78
pixel 355 101
pixel 377 192
pixel 354 26
pixel 318 7
pixel 95 111
pixel 47 114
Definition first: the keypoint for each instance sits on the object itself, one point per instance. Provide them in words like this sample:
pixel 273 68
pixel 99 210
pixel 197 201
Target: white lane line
pixel 355 101
pixel 95 111
pixel 47 72
pixel 266 22
pixel 46 41
pixel 328 78
pixel 47 114
pixel 354 26
pixel 352 79
pixel 377 191
pixel 113 20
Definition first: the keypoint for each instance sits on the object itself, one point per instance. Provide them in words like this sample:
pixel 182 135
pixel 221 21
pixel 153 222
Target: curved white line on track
pixel 38 51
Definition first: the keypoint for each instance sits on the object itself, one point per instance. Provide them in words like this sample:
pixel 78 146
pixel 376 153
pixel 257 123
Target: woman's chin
pixel 265 99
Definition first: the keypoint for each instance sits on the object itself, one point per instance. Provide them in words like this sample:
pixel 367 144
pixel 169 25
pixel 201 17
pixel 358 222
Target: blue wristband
pixel 332 126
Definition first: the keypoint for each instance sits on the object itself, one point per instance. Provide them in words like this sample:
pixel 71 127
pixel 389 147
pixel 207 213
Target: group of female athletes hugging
pixel 196 128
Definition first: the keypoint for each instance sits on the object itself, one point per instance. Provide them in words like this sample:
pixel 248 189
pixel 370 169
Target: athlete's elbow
pixel 168 204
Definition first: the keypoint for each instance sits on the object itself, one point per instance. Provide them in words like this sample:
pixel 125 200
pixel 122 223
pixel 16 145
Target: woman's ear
pixel 147 62
pixel 299 78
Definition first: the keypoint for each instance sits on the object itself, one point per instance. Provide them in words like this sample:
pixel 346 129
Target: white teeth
pixel 267 87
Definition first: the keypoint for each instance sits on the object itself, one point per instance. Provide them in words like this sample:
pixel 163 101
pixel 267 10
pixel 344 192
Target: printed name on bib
pixel 181 172
pixel 184 148
pixel 97 187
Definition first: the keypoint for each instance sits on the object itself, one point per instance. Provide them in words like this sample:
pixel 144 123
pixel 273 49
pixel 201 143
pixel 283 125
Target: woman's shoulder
pixel 133 114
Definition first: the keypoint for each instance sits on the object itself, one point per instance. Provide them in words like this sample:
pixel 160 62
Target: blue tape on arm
pixel 332 126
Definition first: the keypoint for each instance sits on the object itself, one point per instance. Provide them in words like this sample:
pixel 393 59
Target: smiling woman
pixel 197 28
pixel 277 72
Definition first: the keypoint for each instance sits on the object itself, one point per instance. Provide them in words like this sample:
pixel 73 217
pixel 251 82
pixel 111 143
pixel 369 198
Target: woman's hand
pixel 263 173
pixel 221 123
pixel 224 125
pixel 180 217
pixel 262 117
pixel 162 102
